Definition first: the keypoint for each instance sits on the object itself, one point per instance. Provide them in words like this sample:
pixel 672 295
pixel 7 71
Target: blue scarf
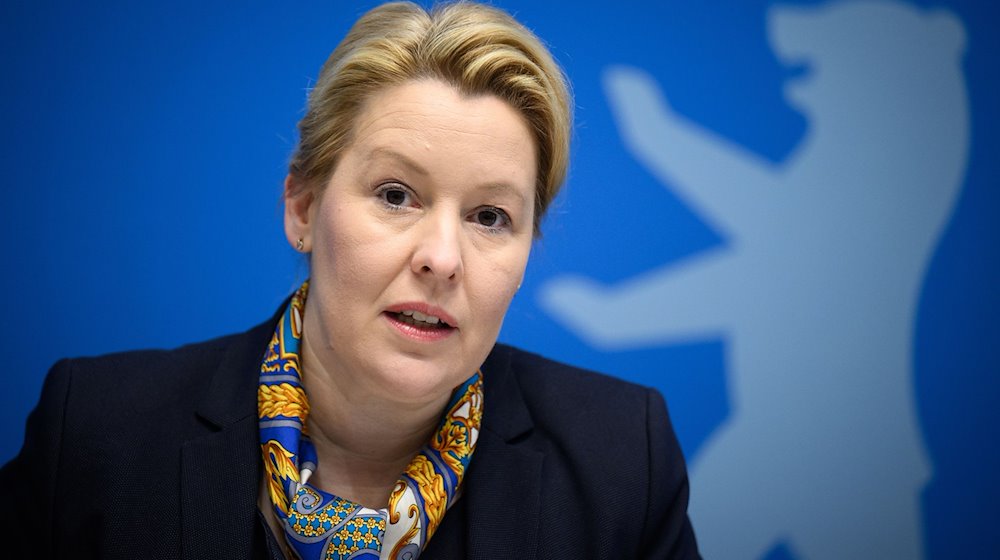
pixel 321 525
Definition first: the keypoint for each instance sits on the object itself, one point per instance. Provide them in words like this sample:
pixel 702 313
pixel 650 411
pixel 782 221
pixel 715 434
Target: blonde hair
pixel 476 48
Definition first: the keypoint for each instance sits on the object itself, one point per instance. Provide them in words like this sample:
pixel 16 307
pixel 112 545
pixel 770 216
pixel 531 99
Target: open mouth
pixel 421 321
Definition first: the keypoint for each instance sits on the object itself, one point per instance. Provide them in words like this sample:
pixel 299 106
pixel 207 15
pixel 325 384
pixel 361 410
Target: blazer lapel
pixel 221 470
pixel 219 492
pixel 504 482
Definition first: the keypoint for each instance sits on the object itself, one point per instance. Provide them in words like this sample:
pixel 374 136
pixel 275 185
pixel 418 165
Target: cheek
pixel 343 253
pixel 496 286
pixel 342 219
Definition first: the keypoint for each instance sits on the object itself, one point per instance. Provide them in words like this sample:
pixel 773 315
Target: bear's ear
pixel 947 30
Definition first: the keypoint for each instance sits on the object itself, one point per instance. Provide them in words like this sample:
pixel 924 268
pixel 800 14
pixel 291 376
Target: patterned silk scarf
pixel 321 525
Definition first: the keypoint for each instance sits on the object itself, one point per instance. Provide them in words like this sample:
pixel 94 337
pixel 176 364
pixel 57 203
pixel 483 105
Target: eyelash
pixel 502 216
pixel 384 188
pixel 505 221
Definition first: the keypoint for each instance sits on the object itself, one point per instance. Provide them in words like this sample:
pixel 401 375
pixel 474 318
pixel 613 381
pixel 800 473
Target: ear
pixel 298 213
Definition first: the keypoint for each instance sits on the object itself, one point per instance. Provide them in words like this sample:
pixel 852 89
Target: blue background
pixel 144 147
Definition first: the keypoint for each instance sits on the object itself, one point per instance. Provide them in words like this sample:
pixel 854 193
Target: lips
pixel 421 321
pixel 423 312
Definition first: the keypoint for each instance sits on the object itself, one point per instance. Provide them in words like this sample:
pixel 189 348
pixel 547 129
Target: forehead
pixel 420 122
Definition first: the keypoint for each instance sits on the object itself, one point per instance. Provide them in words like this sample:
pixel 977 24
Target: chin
pixel 418 379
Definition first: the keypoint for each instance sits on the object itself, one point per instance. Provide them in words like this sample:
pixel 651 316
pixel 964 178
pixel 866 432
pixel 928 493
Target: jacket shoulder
pixel 146 376
pixel 148 363
pixel 564 385
pixel 606 442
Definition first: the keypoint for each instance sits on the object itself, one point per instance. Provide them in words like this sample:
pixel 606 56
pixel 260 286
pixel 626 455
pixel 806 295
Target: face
pixel 419 241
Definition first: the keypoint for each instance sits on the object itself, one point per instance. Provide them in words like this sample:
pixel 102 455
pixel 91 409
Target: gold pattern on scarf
pixel 431 486
pixel 413 512
pixel 453 440
pixel 278 465
pixel 283 399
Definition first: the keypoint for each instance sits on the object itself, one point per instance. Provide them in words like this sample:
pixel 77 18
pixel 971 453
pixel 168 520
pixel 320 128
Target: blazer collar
pixel 221 469
pixel 232 392
pixel 504 481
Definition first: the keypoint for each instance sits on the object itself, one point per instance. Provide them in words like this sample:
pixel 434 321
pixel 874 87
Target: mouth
pixel 420 320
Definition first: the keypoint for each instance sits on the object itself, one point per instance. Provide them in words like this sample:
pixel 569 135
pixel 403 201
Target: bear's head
pixel 864 52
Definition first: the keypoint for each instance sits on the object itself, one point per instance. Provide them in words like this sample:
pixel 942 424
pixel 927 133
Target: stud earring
pixel 300 245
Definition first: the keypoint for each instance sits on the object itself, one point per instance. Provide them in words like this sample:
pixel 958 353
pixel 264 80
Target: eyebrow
pixel 504 189
pixel 497 188
pixel 398 157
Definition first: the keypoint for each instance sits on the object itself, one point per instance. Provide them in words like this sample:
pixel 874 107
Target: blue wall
pixel 808 274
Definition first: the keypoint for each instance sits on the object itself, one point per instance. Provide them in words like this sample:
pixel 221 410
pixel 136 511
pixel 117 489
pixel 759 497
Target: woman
pixel 431 148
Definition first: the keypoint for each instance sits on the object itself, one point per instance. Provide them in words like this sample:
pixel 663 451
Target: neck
pixel 363 441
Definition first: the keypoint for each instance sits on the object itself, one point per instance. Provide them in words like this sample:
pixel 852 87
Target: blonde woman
pixel 374 416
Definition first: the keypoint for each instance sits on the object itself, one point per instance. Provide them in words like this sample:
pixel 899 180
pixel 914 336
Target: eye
pixel 394 195
pixel 492 218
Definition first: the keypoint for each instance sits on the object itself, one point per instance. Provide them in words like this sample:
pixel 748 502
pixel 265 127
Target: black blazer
pixel 155 454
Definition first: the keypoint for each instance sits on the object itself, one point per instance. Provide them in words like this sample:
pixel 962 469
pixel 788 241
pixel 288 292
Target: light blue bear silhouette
pixel 815 291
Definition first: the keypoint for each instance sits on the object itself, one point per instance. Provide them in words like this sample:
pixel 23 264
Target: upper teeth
pixel 421 317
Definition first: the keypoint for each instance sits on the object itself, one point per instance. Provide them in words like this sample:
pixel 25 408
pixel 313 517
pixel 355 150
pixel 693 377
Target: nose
pixel 438 252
